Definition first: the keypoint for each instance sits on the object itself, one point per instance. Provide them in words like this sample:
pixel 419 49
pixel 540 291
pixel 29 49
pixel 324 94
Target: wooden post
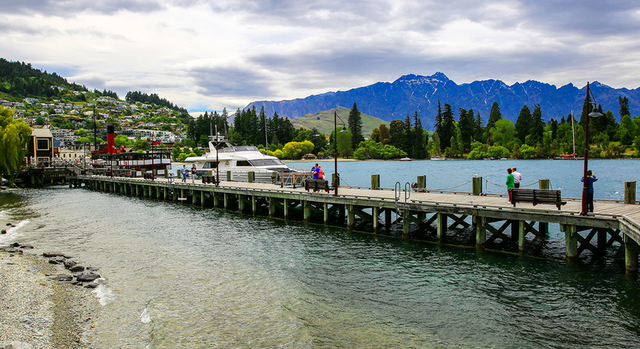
pixel 481 231
pixel 630 192
pixel 286 208
pixel 571 242
pixel 375 182
pixel 325 211
pixel 241 202
pixel 254 205
pixel 387 220
pixel 376 224
pixel 521 235
pixel 272 206
pixel 422 183
pixel 202 198
pixel 226 201
pixel 630 255
pixel 477 186
pixel 406 224
pixel 351 217
pixel 442 226
pixel 543 183
pixel 543 228
pixel 602 241
pixel 307 210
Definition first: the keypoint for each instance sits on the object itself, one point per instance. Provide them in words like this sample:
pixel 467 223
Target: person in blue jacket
pixel 184 173
pixel 590 179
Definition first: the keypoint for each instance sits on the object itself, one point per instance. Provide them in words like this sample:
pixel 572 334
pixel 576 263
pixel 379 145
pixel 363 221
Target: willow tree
pixel 14 135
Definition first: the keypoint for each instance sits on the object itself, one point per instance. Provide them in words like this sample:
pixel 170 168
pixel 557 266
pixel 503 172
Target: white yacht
pixel 239 161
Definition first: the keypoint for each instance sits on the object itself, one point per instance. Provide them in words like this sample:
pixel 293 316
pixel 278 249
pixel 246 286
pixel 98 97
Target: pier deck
pixel 417 212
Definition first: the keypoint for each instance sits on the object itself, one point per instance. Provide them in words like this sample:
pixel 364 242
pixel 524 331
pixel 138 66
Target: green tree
pixel 524 124
pixel 355 126
pixel 141 144
pixel 494 115
pixel 434 145
pixel 295 150
pixel 466 124
pixel 627 130
pixel 446 129
pixel 504 133
pixel 623 103
pixel 419 139
pixel 122 140
pixel 537 128
pixel 396 133
pixel 383 132
pixel 14 135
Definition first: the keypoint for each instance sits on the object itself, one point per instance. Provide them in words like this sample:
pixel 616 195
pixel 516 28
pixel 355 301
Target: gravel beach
pixel 39 312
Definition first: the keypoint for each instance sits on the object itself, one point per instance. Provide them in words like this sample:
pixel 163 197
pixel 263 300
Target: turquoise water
pixel 177 276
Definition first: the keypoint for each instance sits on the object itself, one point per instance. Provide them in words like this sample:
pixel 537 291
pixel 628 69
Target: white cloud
pixel 228 53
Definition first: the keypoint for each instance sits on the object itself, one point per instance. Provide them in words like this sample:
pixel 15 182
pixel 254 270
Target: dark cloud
pixel 72 7
pixel 592 19
pixel 230 82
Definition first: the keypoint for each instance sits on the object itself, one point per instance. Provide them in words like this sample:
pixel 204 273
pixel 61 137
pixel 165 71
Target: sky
pixel 207 55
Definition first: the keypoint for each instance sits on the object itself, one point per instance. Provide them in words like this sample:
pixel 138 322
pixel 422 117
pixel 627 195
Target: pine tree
pixel 494 115
pixel 524 124
pixel 623 103
pixel 419 140
pixel 355 126
pixel 407 144
pixel 445 131
pixel 466 125
pixel 536 132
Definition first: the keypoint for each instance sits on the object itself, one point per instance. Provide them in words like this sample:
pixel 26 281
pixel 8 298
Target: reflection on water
pixel 180 276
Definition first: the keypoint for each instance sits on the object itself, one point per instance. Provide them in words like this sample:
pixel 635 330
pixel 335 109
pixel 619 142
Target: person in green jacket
pixel 510 182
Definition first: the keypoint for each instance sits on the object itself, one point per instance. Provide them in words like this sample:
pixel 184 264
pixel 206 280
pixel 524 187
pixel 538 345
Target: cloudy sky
pixel 210 54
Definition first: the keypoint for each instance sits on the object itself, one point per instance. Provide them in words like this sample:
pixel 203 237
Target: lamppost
pixel 336 180
pixel 266 139
pixel 217 159
pixel 593 113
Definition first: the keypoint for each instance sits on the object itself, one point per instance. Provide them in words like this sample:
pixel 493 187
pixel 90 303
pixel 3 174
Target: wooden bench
pixel 316 184
pixel 537 196
pixel 148 175
pixel 208 179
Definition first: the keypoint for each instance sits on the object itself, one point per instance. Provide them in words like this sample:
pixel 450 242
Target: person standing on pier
pixel 184 173
pixel 510 182
pixel 314 172
pixel 590 179
pixel 517 178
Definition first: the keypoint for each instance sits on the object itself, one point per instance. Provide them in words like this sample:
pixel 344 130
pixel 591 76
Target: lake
pixel 178 276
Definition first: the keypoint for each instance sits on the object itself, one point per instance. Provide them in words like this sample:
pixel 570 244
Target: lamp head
pixel 594 112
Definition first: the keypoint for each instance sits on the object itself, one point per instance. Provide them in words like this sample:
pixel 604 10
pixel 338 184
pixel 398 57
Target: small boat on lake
pixel 438 158
pixel 405 159
pixel 239 160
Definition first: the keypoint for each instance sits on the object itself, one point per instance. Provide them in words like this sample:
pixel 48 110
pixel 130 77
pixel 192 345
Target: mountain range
pixel 411 93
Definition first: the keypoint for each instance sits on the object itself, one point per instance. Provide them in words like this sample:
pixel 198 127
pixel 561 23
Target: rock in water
pixel 87 276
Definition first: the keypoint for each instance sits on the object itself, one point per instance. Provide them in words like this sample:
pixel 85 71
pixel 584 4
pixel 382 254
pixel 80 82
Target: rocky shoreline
pixel 41 303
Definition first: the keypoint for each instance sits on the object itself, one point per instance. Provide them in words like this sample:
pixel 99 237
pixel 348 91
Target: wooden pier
pixel 406 212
